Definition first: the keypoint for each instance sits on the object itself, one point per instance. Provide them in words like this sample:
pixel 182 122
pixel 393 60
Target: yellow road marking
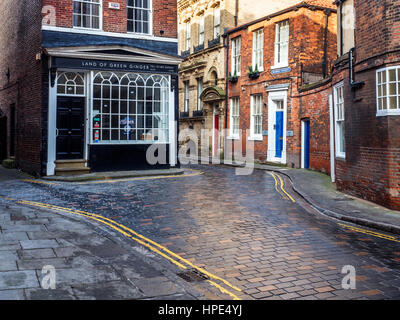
pixel 119 229
pixel 371 233
pixel 282 190
pixel 223 290
pixel 141 178
pixel 38 182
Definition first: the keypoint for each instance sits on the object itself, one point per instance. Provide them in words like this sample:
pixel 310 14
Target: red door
pixel 216 134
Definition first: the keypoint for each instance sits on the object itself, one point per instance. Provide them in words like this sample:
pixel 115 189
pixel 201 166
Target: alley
pixel 257 238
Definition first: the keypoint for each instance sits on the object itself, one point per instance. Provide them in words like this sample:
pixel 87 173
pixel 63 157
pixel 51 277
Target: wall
pixel 164 16
pixel 20 37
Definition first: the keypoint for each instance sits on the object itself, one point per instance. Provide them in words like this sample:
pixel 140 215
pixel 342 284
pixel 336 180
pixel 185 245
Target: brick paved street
pixel 238 228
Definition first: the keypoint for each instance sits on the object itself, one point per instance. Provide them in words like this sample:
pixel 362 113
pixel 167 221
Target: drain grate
pixel 193 275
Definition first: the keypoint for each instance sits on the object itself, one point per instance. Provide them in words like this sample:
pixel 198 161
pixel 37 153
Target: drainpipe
pixel 325 58
pixel 226 45
pixel 236 12
pixel 332 138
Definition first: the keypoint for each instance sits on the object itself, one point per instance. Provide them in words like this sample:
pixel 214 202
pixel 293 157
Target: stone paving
pixel 239 228
pixel 89 262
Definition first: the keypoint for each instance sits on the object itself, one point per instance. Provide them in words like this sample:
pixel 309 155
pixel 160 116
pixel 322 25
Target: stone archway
pixel 213 99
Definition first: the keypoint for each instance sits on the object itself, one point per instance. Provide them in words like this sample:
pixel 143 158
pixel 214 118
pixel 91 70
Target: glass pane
pixel 392 89
pixel 393 103
pixel 392 75
pixel 61 89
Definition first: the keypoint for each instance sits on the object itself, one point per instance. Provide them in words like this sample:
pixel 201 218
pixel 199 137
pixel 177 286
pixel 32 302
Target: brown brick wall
pixel 20 38
pixel 164 16
pixel 306 47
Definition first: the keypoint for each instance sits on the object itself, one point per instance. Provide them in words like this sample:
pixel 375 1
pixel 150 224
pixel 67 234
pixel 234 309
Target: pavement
pixel 319 191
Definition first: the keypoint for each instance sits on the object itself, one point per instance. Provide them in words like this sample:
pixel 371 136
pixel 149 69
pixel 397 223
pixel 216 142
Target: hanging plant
pixel 253 74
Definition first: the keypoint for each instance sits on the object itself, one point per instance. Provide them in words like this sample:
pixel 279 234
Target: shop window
pixel 86 13
pixel 130 108
pixel 139 16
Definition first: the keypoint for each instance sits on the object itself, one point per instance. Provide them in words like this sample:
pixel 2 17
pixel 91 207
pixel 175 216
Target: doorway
pixel 305 144
pixel 70 128
pixel 3 137
pixel 277 127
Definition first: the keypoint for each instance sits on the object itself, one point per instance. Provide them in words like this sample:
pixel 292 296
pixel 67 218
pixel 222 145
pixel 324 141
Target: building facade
pixel 279 69
pixel 203 73
pixel 366 101
pixel 95 85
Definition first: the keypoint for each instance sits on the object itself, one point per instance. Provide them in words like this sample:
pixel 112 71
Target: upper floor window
pixel 388 91
pixel 346 26
pixel 86 14
pixel 236 46
pixel 217 22
pixel 258 48
pixel 282 44
pixel 201 30
pixel 186 84
pixel 139 16
pixel 188 36
pixel 199 91
pixel 339 121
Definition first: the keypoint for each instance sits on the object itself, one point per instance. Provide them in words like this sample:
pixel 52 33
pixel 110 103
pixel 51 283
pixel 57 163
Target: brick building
pixel 279 71
pixel 366 101
pixel 87 84
pixel 203 73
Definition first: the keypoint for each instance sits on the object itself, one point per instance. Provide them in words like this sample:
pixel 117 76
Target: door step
pixel 71 167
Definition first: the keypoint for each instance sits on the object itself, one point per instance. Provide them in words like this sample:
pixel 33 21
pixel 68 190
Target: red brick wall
pixel 164 16
pixel 307 47
pixel 20 38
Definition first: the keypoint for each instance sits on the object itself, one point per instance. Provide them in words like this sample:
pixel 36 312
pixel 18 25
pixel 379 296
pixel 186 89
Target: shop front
pixel 107 107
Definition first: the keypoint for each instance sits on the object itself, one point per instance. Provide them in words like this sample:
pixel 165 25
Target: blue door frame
pixel 306 144
pixel 279 134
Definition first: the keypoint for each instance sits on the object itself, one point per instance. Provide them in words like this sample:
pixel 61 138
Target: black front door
pixel 3 137
pixel 70 128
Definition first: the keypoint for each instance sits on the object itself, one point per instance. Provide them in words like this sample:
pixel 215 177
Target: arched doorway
pixel 3 136
pixel 213 98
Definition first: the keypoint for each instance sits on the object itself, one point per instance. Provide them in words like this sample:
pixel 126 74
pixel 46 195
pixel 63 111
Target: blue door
pixel 307 144
pixel 279 134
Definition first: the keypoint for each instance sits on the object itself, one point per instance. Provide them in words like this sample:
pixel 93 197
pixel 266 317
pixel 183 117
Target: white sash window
pixel 282 44
pixel 86 14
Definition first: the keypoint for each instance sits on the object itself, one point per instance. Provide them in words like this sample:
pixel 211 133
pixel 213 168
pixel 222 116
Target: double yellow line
pixel 148 243
pixel 279 187
pixel 369 232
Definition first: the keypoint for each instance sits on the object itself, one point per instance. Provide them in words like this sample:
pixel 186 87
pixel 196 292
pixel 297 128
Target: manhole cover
pixel 193 276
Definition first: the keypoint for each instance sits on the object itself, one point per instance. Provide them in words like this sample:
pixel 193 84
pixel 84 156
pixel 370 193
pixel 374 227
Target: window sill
pixel 140 34
pixel 233 138
pixel 87 29
pixel 340 157
pixel 280 66
pixel 255 138
pixel 388 113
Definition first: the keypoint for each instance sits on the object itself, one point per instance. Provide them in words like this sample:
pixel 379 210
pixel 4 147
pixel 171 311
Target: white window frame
pixel 234 118
pixel 339 110
pixel 258 49
pixel 282 34
pixel 150 18
pixel 256 117
pixel 186 95
pixel 384 95
pixel 146 130
pixel 236 55
pixel 100 4
pixel 217 22
pixel 200 86
pixel 188 36
pixel 201 30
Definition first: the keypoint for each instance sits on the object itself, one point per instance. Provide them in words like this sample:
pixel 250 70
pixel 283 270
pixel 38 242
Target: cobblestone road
pixel 240 229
